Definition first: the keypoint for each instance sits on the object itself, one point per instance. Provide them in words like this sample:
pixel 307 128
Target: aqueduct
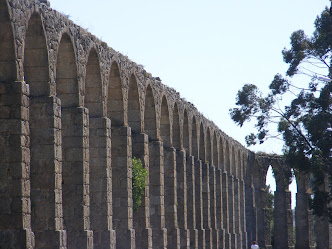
pixel 74 112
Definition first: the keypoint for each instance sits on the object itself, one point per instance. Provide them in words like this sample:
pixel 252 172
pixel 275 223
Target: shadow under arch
pixel 221 155
pixel 93 86
pixel 233 161
pixel 66 73
pixel 227 158
pixel 201 143
pixel 134 107
pixel 115 110
pixel 7 46
pixel 36 67
pixel 150 126
pixel 214 159
pixel 208 156
pixel 194 139
pixel 176 139
pixel 185 129
pixel 165 131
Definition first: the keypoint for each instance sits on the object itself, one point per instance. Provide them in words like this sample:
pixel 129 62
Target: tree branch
pixel 291 123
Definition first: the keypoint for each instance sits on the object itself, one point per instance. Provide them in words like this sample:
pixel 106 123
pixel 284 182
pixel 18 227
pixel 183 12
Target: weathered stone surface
pixel 74 112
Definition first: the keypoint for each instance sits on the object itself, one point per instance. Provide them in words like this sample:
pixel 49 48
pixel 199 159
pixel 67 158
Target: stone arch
pixel 115 109
pixel 134 108
pixel 66 73
pixel 214 150
pixel 201 143
pixel 176 128
pixel 93 86
pixel 278 172
pixel 186 132
pixel 36 70
pixel 283 218
pixel 150 126
pixel 208 156
pixel 7 46
pixel 194 138
pixel 164 123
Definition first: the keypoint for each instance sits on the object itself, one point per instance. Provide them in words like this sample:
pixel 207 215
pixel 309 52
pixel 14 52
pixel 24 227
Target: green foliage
pixel 138 181
pixel 270 206
pixel 305 123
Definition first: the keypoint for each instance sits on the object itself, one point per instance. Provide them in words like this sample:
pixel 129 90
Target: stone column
pixel 213 203
pixel 199 204
pixel 243 214
pixel 323 228
pixel 157 207
pixel 303 221
pixel 283 220
pixel 263 224
pixel 206 206
pixel 250 214
pixel 75 168
pixel 231 213
pixel 225 209
pixel 191 202
pixel 219 209
pixel 15 208
pixel 122 187
pixel 101 183
pixel 142 216
pixel 237 215
pixel 171 199
pixel 323 232
pixel 46 172
pixel 182 198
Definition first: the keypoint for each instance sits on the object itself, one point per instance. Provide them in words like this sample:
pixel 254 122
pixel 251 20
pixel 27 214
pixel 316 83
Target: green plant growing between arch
pixel 138 182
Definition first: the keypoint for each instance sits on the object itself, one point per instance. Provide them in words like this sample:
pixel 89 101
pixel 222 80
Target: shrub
pixel 138 181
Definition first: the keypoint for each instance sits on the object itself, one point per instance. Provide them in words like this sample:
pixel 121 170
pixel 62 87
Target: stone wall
pixel 73 113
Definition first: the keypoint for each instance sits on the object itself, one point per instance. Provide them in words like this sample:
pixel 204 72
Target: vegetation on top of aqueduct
pixel 305 124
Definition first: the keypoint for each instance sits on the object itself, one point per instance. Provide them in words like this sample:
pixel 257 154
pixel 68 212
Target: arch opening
pixel 208 147
pixel 134 111
pixel 194 139
pixel 150 115
pixel 214 150
pixel 227 158
pixel 93 86
pixel 201 143
pixel 270 188
pixel 66 74
pixel 7 49
pixel 234 161
pixel 176 128
pixel 164 123
pixel 36 71
pixel 186 133
pixel 115 109
pixel 221 155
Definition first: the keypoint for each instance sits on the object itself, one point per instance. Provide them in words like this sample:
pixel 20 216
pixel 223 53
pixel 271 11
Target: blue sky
pixel 206 50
